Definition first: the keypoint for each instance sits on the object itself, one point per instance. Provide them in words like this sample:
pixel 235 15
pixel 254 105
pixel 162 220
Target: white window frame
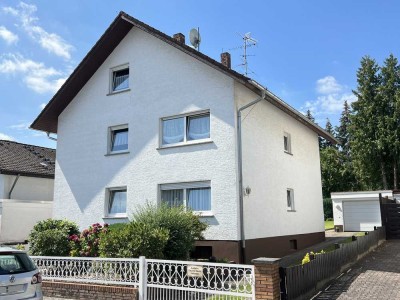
pixel 110 135
pixel 111 76
pixel 185 186
pixel 108 199
pixel 291 207
pixel 289 143
pixel 185 117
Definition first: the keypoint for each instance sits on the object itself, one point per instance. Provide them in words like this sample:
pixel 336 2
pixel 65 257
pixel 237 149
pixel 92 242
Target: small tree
pixel 183 226
pixel 50 237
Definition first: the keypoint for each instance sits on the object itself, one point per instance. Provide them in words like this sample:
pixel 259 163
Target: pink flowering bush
pixel 87 243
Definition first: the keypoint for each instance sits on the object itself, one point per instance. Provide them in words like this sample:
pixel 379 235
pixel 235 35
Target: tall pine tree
pixel 342 131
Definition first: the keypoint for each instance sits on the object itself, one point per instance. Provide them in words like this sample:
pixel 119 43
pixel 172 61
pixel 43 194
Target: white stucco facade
pixel 31 201
pixel 27 188
pixel 269 171
pixel 163 82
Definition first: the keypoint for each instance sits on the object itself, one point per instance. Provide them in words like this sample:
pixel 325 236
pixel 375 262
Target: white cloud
pixel 8 36
pixel 42 106
pixel 52 42
pixel 6 137
pixel 328 85
pixel 329 102
pixel 36 75
pixel 20 126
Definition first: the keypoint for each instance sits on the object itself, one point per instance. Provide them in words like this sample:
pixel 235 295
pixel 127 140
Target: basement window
pixel 293 244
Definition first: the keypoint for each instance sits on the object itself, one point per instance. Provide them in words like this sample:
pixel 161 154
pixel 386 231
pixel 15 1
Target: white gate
pixel 156 279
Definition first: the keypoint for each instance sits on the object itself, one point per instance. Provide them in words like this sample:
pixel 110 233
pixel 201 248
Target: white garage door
pixel 361 215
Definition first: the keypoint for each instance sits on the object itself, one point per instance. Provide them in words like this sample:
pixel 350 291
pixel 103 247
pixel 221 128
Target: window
pixel 116 204
pixel 185 128
pixel 293 244
pixel 195 196
pixel 287 143
pixel 118 139
pixel 290 199
pixel 119 78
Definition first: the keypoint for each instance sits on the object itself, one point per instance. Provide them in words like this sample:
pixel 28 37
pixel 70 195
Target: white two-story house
pixel 145 117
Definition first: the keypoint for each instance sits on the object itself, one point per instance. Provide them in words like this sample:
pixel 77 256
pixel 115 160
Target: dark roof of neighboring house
pixel 123 23
pixel 26 160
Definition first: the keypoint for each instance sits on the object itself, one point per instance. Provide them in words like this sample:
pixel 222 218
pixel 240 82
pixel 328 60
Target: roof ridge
pixel 14 142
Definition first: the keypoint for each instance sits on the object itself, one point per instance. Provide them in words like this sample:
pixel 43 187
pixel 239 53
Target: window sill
pixel 198 142
pixel 291 210
pixel 116 217
pixel 118 92
pixel 287 152
pixel 204 213
pixel 116 153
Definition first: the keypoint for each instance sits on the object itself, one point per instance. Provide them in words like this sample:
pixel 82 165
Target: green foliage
pixel 328 213
pixel 87 243
pixel 50 237
pixel 307 257
pixel 183 226
pixel 133 240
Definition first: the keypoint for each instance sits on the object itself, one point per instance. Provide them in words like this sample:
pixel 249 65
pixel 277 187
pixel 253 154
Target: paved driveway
pixel 376 276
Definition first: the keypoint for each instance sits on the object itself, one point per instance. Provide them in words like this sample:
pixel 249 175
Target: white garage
pixel 357 211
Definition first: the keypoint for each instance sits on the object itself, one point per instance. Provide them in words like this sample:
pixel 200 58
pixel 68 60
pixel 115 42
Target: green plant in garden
pixel 87 243
pixel 183 225
pixel 50 237
pixel 307 257
pixel 133 240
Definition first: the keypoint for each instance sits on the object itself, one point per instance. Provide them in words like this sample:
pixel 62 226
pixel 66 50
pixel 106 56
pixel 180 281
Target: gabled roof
pixel 26 160
pixel 123 23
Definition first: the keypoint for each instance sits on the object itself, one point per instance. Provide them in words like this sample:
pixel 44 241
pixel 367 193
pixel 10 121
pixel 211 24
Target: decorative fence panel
pixel 156 279
pixel 301 282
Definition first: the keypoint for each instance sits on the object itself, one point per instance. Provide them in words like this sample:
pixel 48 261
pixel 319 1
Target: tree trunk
pixel 395 174
pixel 383 172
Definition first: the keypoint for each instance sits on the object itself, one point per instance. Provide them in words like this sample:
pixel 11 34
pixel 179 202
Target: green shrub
pixel 50 237
pixel 329 219
pixel 183 226
pixel 133 240
pixel 328 213
pixel 87 243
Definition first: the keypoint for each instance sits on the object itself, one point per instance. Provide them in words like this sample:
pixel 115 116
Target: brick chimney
pixel 179 37
pixel 226 59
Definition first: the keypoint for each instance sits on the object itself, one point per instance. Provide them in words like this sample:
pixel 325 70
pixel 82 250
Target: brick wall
pixel 267 278
pixel 88 291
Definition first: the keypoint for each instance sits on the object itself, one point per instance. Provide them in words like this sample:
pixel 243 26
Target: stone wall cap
pixel 265 260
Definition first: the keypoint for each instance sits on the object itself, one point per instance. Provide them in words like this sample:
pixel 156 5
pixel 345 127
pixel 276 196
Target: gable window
pixel 186 128
pixel 120 78
pixel 116 202
pixel 290 199
pixel 118 139
pixel 287 147
pixel 195 196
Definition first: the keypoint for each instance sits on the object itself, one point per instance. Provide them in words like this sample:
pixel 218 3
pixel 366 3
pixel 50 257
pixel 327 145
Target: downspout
pixel 240 169
pixel 12 188
pixel 50 137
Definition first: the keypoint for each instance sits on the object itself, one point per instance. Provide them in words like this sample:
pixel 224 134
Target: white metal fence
pixel 156 279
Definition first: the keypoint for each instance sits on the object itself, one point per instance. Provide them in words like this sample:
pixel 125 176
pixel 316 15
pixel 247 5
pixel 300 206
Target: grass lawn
pixel 328 225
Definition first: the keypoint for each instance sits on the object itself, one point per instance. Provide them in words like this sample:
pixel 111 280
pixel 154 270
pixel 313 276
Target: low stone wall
pixel 88 291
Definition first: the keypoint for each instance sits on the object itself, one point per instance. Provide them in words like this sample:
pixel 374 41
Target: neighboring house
pixel 357 211
pixel 26 188
pixel 145 117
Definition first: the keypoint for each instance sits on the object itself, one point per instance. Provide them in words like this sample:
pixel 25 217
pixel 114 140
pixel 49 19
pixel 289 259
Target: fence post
pixel 267 278
pixel 142 278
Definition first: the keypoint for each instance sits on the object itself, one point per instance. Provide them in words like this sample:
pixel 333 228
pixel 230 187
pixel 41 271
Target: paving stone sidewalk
pixel 376 276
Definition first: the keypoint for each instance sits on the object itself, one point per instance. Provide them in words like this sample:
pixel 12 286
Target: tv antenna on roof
pixel 195 38
pixel 248 42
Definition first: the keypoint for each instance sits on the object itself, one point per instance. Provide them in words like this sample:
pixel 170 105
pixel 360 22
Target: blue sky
pixel 307 53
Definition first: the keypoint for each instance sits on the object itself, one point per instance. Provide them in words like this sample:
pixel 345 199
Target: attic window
pixel 119 78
